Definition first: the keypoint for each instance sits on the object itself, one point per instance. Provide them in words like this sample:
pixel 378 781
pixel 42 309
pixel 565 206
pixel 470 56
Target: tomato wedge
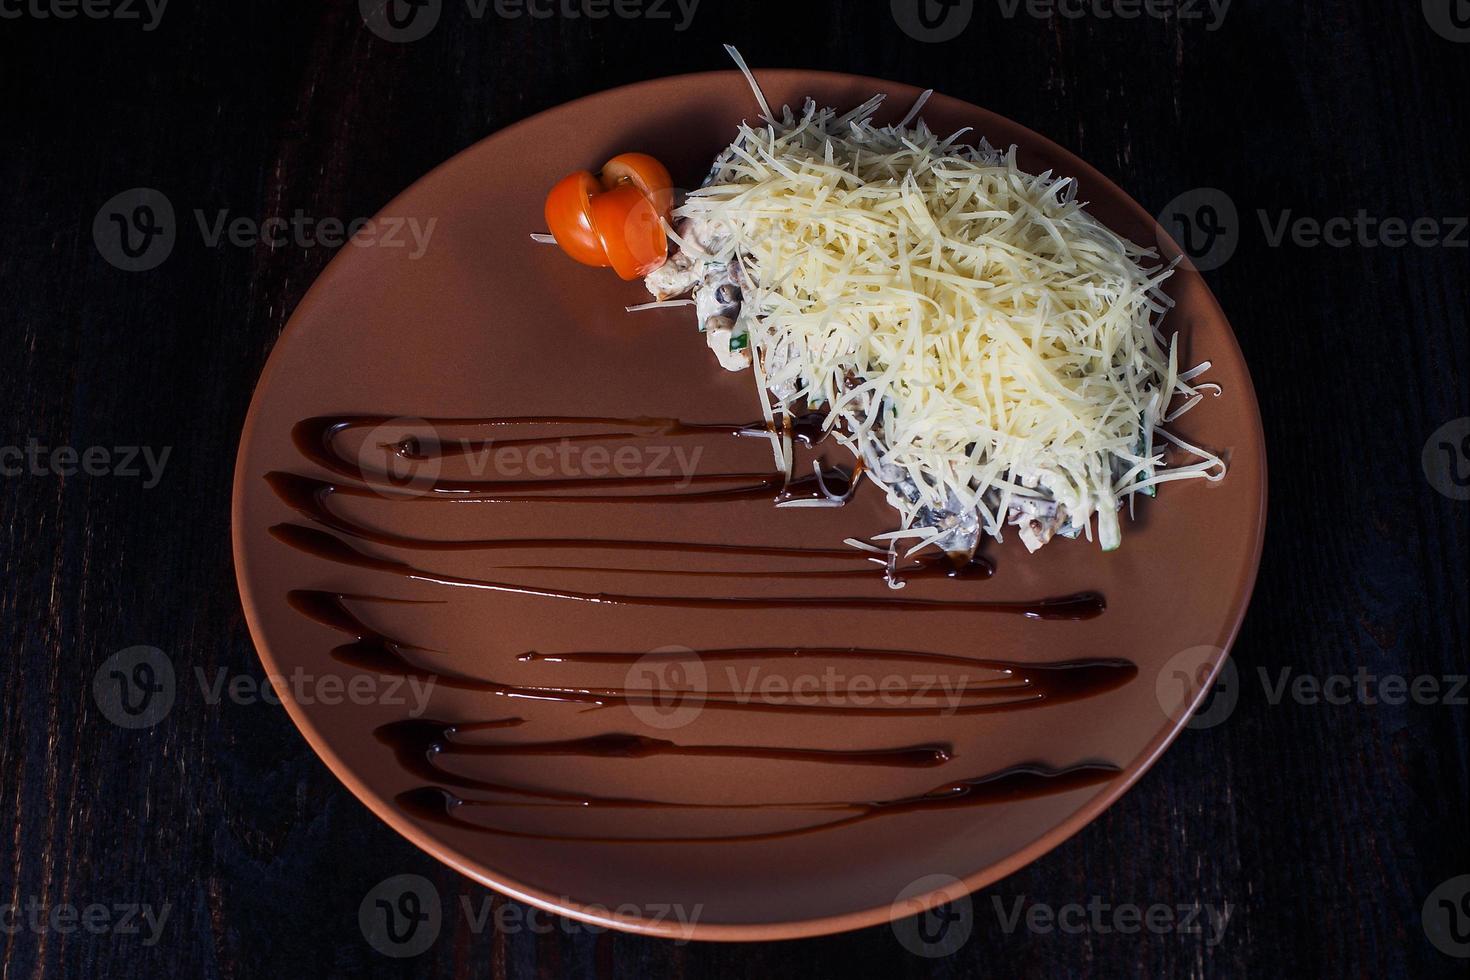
pixel 644 173
pixel 614 219
pixel 569 216
pixel 632 237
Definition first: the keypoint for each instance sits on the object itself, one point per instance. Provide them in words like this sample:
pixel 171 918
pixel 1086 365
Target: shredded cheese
pixel 970 325
pixel 663 305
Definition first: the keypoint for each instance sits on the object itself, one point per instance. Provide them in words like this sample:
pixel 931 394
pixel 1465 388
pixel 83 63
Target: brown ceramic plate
pixel 486 323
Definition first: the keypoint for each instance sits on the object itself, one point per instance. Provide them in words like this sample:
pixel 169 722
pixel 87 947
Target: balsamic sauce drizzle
pixel 420 744
pixel 436 804
pixel 320 544
pixel 312 499
pixel 1019 686
pixel 315 436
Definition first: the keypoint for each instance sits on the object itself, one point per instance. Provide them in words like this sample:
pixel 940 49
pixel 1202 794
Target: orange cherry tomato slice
pixel 569 218
pixel 614 220
pixel 632 237
pixel 644 173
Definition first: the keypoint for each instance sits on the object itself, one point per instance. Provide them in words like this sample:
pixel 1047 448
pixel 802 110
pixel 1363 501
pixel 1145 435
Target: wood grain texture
pixel 1324 826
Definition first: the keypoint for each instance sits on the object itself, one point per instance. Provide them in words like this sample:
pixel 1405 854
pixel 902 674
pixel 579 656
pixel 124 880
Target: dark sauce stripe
pixel 1019 686
pixel 435 804
pixel 319 544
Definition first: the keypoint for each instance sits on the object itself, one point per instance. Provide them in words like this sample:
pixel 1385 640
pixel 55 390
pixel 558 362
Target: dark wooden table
pixel 1324 826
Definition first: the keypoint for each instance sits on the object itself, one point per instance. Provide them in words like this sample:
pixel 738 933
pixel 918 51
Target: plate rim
pixel 479 871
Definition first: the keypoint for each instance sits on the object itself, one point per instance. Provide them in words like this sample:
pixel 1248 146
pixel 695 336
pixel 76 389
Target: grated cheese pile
pixel 985 345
